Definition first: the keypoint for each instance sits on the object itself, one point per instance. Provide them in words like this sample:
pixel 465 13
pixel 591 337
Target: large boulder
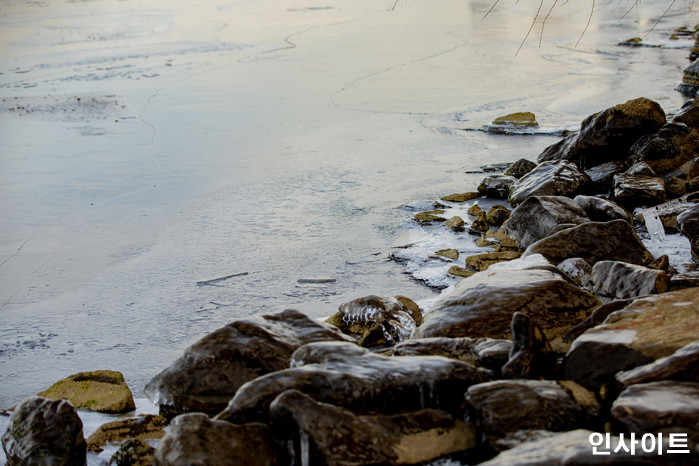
pixel 673 145
pixel 322 433
pixel 506 406
pixel 621 280
pixel 377 320
pixel 538 215
pixel 665 407
pixel 553 178
pixel 647 329
pixel 688 224
pixel 593 242
pixel 101 391
pixel 207 376
pixel 43 431
pixel 608 135
pixel 195 439
pixel 490 353
pixel 602 210
pixel 482 305
pixel 352 377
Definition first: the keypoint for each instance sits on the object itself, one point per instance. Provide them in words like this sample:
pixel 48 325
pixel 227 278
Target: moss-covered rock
pixel 517 119
pixel 103 391
pixel 461 197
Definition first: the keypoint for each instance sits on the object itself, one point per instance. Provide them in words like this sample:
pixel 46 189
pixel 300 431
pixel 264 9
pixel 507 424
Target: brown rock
pixel 481 262
pixel 101 391
pixel 461 197
pixel 553 178
pixel 633 191
pixel 146 426
pixel 497 215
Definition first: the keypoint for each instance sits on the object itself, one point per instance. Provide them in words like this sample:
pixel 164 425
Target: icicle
pixel 654 225
pixel 304 448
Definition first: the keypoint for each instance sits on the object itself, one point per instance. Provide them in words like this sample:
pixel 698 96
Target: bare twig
pixel 541 35
pixel 541 3
pixel 589 18
pixel 659 19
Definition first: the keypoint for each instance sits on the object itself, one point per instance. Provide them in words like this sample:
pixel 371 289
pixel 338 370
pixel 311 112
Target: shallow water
pixel 146 146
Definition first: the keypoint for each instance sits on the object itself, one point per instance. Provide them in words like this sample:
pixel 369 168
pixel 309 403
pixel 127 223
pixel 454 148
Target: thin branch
pixel 659 19
pixel 635 5
pixel 541 3
pixel 491 9
pixel 592 10
pixel 541 36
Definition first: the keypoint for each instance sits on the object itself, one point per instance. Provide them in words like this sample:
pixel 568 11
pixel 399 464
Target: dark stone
pixel 688 224
pixel 554 178
pixel 505 406
pixel 520 168
pixel 681 365
pixel 489 353
pixel 497 186
pixel 666 406
pixel 325 434
pixel 479 225
pixel 602 176
pixel 133 453
pixel 497 215
pixel 633 191
pixel 577 270
pixel 688 114
pixel 375 320
pixel 531 356
pixel 608 135
pixel 146 426
pixel 602 210
pixel 535 217
pixel 620 280
pixel 593 242
pixel 690 79
pixel 640 169
pixel 482 305
pixel 598 316
pixel 207 376
pixel 195 439
pixel 352 377
pixel 674 145
pixel 43 431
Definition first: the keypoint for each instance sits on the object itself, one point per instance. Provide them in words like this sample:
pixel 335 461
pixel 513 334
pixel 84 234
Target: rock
pixel 481 262
pixel 474 210
pixel 575 448
pixel 452 254
pixel 598 316
pixel 479 225
pixel 602 210
pixel 645 330
pixel 593 241
pixel 497 215
pixel 484 243
pixel 456 223
pixel 608 135
pixel 460 197
pixel 620 280
pixel 602 176
pixel 325 434
pixel 690 79
pixel 633 191
pixel 681 365
pixel 535 217
pixel 640 169
pixel 482 305
pixel 43 431
pixel 411 308
pixel 531 356
pixel 497 186
pixel 517 119
pixel 553 178
pixel 514 439
pixel 674 187
pixel 674 145
pixel 352 377
pixel 101 391
pixel 577 270
pixel 688 224
pixel 661 263
pixel 659 407
pixel 207 376
pixel 195 439
pixel 688 114
pixel 460 271
pixel 374 320
pixel 430 216
pixel 133 453
pixel 146 426
pixel 520 168
pixel 489 353
pixel 506 406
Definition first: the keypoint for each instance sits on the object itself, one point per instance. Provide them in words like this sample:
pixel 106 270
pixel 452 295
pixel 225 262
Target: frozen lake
pixel 148 145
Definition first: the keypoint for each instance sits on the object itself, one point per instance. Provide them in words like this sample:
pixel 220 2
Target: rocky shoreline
pixel 567 342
